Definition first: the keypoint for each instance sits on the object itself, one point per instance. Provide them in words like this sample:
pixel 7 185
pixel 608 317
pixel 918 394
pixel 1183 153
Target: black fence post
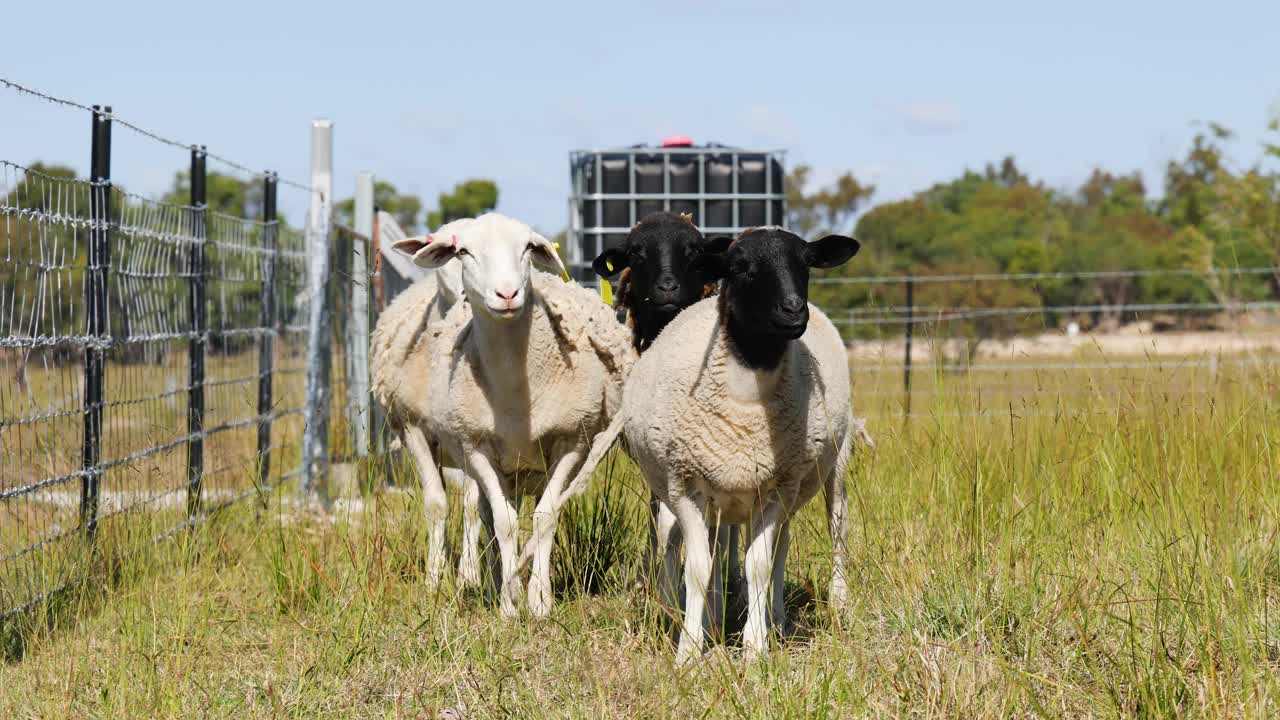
pixel 99 259
pixel 906 366
pixel 266 320
pixel 196 280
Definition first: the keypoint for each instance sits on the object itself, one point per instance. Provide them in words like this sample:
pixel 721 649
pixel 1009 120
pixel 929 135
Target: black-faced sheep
pixel 742 407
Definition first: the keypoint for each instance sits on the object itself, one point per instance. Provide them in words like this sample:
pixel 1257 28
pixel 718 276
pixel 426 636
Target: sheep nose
pixel 508 295
pixel 793 304
pixel 666 284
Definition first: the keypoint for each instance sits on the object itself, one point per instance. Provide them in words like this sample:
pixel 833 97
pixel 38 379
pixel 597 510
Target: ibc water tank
pixel 725 189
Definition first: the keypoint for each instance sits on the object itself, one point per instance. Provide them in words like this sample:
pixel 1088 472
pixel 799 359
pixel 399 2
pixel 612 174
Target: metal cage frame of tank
pixel 580 232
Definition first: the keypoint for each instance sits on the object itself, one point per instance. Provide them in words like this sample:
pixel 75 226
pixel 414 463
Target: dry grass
pixel 1098 543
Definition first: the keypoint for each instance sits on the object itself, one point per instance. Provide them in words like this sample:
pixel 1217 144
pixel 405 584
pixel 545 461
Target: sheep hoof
pixel 469 575
pixel 686 654
pixel 752 653
pixel 539 599
pixel 508 606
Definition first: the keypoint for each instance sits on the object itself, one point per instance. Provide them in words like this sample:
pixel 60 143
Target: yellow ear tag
pixel 606 290
pixel 563 273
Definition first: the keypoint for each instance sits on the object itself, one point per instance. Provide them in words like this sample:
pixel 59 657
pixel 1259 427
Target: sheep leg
pixel 736 581
pixel 838 523
pixel 760 566
pixel 489 548
pixel 720 539
pixel 469 562
pixel 782 544
pixel 697 575
pixel 544 532
pixel 435 504
pixel 668 540
pixel 653 556
pixel 505 526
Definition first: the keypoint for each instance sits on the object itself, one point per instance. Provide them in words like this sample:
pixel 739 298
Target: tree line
pixel 1210 217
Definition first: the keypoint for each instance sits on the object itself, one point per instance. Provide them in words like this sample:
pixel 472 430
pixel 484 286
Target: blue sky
pixel 424 94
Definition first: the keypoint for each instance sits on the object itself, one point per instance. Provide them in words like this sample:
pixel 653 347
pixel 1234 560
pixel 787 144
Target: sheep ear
pixel 411 246
pixel 716 244
pixel 429 251
pixel 831 251
pixel 544 255
pixel 714 265
pixel 611 262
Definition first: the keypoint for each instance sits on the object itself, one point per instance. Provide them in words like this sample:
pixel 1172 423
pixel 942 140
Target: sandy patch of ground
pixel 1137 342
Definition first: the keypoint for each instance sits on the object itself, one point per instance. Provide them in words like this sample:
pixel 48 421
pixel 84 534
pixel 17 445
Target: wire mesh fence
pixel 1089 339
pixel 152 363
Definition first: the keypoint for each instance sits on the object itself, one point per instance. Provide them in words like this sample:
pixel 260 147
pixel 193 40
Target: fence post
pixel 99 259
pixel 315 437
pixel 906 365
pixel 266 321
pixel 358 398
pixel 198 311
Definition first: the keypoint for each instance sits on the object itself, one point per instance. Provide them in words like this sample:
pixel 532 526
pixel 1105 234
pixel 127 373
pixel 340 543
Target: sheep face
pixel 765 290
pixel 659 251
pixel 495 253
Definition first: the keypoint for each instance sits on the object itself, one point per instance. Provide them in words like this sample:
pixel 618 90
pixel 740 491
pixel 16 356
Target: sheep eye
pixel 462 251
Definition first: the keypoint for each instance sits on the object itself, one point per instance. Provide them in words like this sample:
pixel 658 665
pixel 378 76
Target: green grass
pixel 1097 543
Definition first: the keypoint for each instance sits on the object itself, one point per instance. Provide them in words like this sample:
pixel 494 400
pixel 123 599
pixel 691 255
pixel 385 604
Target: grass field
pixel 1090 542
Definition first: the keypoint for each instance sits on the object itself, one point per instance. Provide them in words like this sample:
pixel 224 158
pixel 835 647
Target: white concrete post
pixel 358 400
pixel 315 438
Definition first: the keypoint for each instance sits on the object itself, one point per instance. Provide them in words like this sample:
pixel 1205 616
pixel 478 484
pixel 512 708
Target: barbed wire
pixel 975 313
pixel 1063 275
pixel 116 119
pixel 1167 364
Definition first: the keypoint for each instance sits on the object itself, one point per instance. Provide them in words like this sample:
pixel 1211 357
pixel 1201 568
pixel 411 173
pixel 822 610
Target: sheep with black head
pixel 741 407
pixel 657 279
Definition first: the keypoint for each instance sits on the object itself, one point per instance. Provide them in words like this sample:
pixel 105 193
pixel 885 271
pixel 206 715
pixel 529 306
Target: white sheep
pixel 741 407
pixel 401 353
pixel 533 373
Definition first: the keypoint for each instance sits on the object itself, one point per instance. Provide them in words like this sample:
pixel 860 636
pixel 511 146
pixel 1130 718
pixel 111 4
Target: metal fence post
pixel 198 311
pixel 358 398
pixel 906 366
pixel 315 437
pixel 266 320
pixel 99 260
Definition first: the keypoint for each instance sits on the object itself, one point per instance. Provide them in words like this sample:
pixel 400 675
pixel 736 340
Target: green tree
pixel 825 209
pixel 468 199
pixel 224 194
pixel 43 262
pixel 1226 218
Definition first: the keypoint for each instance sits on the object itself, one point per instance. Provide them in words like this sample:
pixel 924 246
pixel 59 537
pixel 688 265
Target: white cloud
pixel 926 117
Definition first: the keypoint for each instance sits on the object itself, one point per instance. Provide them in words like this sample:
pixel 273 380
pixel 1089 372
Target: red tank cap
pixel 677 141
